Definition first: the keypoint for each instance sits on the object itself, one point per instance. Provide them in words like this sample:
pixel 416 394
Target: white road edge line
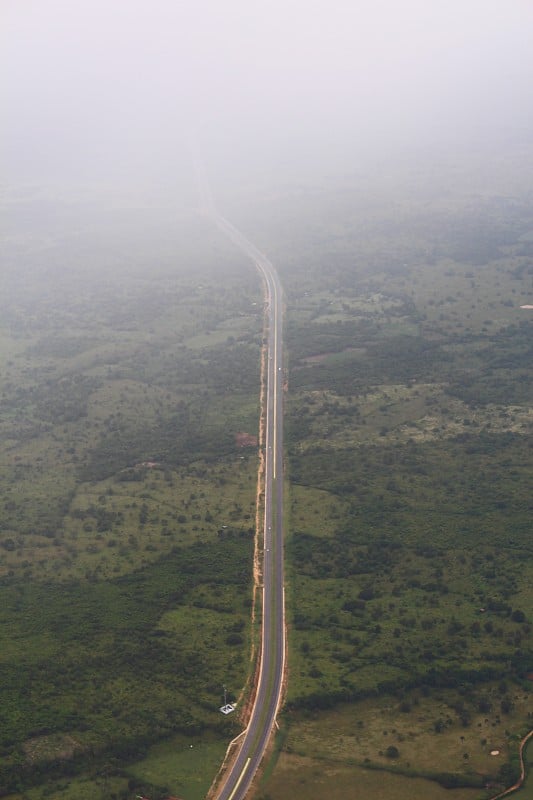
pixel 241 776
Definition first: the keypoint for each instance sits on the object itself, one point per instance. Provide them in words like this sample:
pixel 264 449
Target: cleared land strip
pixel 239 776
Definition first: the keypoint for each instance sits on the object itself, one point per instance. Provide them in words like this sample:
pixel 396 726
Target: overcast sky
pixel 93 84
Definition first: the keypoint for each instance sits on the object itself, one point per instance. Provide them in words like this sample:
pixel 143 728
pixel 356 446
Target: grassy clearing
pixel 426 731
pixel 186 767
pixel 402 414
pixel 314 779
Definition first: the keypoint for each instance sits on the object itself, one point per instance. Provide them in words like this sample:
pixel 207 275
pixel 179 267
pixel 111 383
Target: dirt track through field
pixel 522 777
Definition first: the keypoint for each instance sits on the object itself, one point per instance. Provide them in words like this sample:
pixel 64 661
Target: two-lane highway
pixel 254 741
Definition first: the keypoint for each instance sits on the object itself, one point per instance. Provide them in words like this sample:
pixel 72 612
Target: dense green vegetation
pixel 127 503
pixel 409 455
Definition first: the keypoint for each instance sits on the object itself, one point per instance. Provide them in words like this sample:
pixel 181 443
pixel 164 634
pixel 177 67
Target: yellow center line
pixel 241 776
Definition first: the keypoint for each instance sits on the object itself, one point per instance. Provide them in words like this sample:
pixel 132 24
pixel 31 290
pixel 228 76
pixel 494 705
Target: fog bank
pixel 105 91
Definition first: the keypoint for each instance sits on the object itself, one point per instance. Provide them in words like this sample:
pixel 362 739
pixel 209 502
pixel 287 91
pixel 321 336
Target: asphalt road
pixel 268 696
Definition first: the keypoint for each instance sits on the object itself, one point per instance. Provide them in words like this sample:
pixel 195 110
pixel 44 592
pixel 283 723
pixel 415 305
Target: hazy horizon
pixel 112 92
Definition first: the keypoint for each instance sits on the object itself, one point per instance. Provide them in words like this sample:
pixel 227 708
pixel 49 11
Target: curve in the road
pixel 238 778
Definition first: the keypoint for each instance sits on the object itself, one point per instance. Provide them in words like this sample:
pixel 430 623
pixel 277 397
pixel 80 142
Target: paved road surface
pixel 254 741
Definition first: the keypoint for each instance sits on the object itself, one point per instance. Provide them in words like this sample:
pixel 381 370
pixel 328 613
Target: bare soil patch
pixel 245 440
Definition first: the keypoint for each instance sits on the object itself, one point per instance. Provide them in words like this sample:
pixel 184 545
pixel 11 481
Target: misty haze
pixel 266 400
